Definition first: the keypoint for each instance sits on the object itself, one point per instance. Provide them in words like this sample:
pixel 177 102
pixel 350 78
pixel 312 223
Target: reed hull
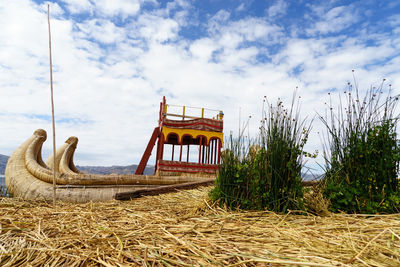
pixel 28 177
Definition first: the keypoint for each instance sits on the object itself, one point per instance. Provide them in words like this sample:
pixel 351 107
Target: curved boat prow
pixel 65 157
pixel 19 181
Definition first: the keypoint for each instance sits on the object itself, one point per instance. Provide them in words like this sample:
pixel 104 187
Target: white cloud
pixel 123 8
pixel 55 9
pixel 101 30
pixel 394 20
pixel 78 6
pixel 241 7
pixel 333 20
pixel 157 28
pixel 203 49
pixel 215 22
pixel 277 9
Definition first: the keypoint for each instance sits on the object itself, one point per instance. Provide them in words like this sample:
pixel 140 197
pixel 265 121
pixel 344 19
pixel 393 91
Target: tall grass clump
pixel 265 173
pixel 362 153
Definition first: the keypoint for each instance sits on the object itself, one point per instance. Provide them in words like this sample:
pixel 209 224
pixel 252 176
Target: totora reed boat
pixel 29 177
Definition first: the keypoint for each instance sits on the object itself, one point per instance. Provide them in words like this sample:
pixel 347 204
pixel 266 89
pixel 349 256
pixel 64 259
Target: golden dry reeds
pixel 185 229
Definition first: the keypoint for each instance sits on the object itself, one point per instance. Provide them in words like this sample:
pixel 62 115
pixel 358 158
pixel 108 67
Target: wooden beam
pixel 162 189
pixel 147 152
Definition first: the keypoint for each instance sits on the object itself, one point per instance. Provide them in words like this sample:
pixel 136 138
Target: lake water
pixel 3 189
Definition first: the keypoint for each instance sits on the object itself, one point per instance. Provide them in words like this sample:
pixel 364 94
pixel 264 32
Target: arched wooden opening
pixel 172 140
pixel 186 140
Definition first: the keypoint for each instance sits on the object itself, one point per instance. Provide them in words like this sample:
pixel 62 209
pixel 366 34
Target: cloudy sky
pixel 115 59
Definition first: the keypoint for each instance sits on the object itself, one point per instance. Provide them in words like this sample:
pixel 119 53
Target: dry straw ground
pixel 183 229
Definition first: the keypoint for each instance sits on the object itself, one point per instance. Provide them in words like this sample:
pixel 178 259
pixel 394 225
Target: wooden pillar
pixel 187 157
pixel 219 151
pixel 202 153
pixel 162 146
pixel 208 154
pixel 180 154
pixel 212 151
pixel 200 141
pixel 173 150
pixel 160 149
pixel 215 150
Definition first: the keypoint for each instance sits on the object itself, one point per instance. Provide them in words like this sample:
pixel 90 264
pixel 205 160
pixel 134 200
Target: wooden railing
pixel 184 114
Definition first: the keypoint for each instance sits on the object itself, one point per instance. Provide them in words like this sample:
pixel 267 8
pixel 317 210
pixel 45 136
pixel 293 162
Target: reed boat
pixel 29 177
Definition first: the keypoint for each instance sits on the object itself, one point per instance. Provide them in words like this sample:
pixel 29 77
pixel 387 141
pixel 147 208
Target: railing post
pixel 183 118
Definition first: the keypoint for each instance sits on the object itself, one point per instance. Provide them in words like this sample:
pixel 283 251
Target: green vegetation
pixel 362 153
pixel 265 174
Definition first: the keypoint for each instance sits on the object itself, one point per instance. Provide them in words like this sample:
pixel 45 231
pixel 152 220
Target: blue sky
pixel 114 60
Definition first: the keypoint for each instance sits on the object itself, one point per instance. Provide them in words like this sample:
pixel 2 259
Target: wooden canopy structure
pixel 203 133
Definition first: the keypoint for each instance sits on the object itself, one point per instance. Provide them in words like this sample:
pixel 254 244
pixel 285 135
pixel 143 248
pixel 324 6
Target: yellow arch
pixel 192 132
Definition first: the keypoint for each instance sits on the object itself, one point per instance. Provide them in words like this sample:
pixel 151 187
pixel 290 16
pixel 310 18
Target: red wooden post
pixel 180 154
pixel 215 151
pixel 147 152
pixel 161 146
pixel 202 153
pixel 208 154
pixel 159 154
pixel 200 141
pixel 212 151
pixel 219 151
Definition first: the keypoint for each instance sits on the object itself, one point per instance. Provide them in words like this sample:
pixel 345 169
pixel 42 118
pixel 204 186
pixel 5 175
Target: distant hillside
pixel 3 163
pixel 130 169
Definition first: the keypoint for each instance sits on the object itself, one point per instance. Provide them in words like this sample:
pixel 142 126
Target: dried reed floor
pixel 182 229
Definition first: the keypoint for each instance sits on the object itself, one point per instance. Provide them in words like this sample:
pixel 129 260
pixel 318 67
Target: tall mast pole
pixel 52 111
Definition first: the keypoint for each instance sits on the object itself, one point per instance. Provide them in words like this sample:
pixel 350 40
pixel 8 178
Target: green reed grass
pixel 362 153
pixel 266 173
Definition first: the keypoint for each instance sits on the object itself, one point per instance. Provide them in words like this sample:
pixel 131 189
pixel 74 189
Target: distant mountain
pixel 3 163
pixel 130 169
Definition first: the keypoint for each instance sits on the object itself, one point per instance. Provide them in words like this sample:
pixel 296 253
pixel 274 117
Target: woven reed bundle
pixel 184 229
pixel 27 176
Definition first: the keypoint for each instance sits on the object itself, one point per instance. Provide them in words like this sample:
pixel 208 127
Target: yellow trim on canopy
pixel 193 133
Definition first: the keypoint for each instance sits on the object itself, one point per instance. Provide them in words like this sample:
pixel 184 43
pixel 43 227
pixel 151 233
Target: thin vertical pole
pixel 202 154
pixel 187 157
pixel 212 151
pixel 200 141
pixel 219 151
pixel 207 154
pixel 215 151
pixel 180 154
pixel 173 151
pixel 52 111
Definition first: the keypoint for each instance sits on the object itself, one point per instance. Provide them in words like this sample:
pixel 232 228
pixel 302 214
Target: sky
pixel 113 61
